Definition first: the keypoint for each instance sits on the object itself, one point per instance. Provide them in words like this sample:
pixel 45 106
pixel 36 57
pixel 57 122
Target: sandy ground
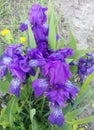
pixel 80 15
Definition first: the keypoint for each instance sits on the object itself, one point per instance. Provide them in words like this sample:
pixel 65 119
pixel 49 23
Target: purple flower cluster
pixel 54 78
pixel 55 84
pixel 54 70
pixel 37 19
pixel 85 66
pixel 16 61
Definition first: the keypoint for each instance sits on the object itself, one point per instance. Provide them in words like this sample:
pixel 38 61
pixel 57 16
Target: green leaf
pixel 34 125
pixel 52 32
pixel 1 50
pixel 66 126
pixel 11 109
pixel 32 113
pixel 8 77
pixel 72 41
pixel 9 38
pixel 4 85
pixel 9 113
pixel 84 92
pixel 69 60
pixel 61 44
pixel 79 53
pixel 50 8
pixel 74 113
pixel 31 38
pixel 78 100
pixel 75 127
pixel 33 120
pixel 86 83
pixel 83 120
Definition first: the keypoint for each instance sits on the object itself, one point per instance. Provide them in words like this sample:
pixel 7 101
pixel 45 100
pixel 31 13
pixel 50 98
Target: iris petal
pixel 39 86
pixel 36 62
pixel 6 60
pixel 15 87
pixel 56 116
pixel 37 14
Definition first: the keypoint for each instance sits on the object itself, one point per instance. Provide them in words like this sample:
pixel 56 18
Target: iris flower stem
pixel 37 73
pixel 52 127
pixel 28 38
pixel 42 105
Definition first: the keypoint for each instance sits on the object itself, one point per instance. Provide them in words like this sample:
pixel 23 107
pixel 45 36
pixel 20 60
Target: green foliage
pixel 73 114
pixel 66 126
pixel 61 43
pixel 86 83
pixel 34 125
pixel 1 50
pixel 31 38
pixel 32 113
pixel 8 114
pixel 4 85
pixel 82 121
pixel 52 27
pixel 72 41
pixel 9 38
pixel 3 7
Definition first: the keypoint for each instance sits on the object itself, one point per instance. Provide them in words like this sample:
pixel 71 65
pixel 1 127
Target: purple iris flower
pixel 40 33
pixel 59 94
pixel 35 53
pixel 90 70
pixel 6 60
pixel 43 47
pixel 15 86
pixel 11 49
pixel 24 64
pixel 39 86
pixel 85 67
pixel 57 71
pixel 17 72
pixel 65 52
pixel 37 14
pixel 23 27
pixel 71 89
pixel 61 54
pixel 56 116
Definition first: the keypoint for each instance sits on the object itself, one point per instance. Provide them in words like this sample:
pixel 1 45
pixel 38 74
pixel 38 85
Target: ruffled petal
pixel 71 89
pixel 15 86
pixel 39 86
pixel 37 14
pixel 36 62
pixel 57 71
pixel 10 50
pixel 17 72
pixel 6 60
pixel 56 116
